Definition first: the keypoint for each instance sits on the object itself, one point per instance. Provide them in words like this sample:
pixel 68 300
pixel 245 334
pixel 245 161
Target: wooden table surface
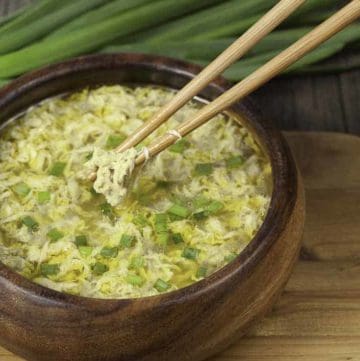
pixel 320 102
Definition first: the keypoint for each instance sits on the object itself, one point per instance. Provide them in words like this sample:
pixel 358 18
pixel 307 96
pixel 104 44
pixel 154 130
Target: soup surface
pixel 189 211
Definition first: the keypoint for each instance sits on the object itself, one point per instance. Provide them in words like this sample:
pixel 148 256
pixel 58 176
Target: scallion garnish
pixel 109 252
pixel 230 257
pixel 134 280
pixel 136 262
pixel 114 141
pixel 204 168
pixel 54 234
pixel 179 211
pixel 57 169
pixel 179 146
pixel 126 241
pixel 140 220
pixel 47 269
pixel 161 285
pixel 201 272
pixel 21 189
pixel 190 253
pixel 161 222
pixel 107 210
pixel 81 240
pixel 177 238
pixel 43 197
pixel 89 156
pixel 30 223
pixel 214 206
pixel 234 162
pixel 85 251
pixel 162 238
pixel 99 268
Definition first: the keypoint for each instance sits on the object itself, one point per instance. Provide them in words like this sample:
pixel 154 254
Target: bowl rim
pixel 282 203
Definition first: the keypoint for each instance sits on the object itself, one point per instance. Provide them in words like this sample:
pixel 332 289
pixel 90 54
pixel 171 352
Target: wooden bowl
pixel 192 323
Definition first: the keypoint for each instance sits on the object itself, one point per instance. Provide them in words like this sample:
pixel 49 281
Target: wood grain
pixel 318 316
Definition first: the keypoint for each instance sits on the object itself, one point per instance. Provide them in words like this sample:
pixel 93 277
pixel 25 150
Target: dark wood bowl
pixel 192 323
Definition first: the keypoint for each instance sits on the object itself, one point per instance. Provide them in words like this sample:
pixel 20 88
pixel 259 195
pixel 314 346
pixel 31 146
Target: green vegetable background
pixel 49 31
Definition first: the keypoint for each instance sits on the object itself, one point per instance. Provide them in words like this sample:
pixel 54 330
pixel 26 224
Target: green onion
pixel 161 222
pixel 127 241
pixel 230 257
pixel 43 197
pixel 114 141
pixel 85 251
pixel 99 268
pixel 177 238
pixel 162 238
pixel 26 15
pixel 109 252
pixel 140 220
pixel 107 210
pixel 87 39
pixel 89 156
pixel 204 168
pixel 208 19
pixel 199 216
pixel 137 262
pixel 81 240
pixel 190 253
pixel 134 280
pixel 43 24
pixel 95 16
pixel 214 206
pixel 57 169
pixel 179 211
pixel 55 235
pixel 30 223
pixel 179 146
pixel 161 285
pixel 201 272
pixel 21 189
pixel 47 269
pixel 93 191
pixel 235 161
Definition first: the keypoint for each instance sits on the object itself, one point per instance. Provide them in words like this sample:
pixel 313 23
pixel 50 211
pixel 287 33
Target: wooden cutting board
pixel 318 316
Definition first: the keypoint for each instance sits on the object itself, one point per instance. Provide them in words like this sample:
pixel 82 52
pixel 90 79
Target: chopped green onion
pixel 55 234
pixel 204 168
pixel 114 141
pixel 200 201
pixel 234 162
pixel 201 272
pixel 162 238
pixel 190 253
pixel 199 216
pixel 140 220
pixel 161 285
pixel 100 268
pixel 43 197
pixel 230 257
pixel 57 169
pixel 81 240
pixel 161 222
pixel 179 211
pixel 179 146
pixel 177 238
pixel 214 206
pixel 93 191
pixel 89 156
pixel 30 223
pixel 109 252
pixel 107 210
pixel 134 280
pixel 47 269
pixel 174 217
pixel 85 251
pixel 21 189
pixel 137 262
pixel 126 241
